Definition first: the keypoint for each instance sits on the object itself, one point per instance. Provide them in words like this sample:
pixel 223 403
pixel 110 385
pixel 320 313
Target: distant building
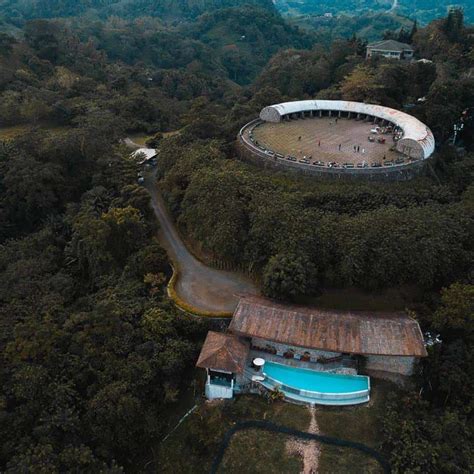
pixel 390 49
pixel 144 154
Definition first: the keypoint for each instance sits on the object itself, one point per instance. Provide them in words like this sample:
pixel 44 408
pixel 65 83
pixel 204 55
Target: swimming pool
pixel 317 385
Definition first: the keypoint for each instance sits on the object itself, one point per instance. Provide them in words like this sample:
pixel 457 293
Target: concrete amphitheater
pixel 337 139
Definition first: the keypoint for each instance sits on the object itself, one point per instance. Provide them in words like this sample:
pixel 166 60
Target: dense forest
pixel 93 354
pixel 423 10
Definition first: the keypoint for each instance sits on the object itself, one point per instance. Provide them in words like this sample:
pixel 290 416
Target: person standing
pixel 339 147
pixel 358 148
pixel 319 142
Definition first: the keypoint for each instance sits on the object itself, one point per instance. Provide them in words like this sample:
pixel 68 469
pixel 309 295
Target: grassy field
pixel 10 133
pixel 192 447
pixel 141 138
pixel 355 424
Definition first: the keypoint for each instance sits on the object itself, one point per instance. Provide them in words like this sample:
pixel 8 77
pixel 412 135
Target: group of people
pixel 357 149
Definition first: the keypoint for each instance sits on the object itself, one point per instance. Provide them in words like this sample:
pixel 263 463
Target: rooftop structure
pixel 144 154
pixel 390 49
pixel 225 352
pixel 351 332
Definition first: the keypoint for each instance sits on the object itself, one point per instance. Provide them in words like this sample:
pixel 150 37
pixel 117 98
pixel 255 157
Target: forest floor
pixel 201 287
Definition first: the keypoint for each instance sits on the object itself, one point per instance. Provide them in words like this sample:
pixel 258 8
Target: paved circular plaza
pixel 338 138
pixel 329 140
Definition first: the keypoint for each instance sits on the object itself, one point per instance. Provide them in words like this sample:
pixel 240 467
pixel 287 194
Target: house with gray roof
pixel 390 49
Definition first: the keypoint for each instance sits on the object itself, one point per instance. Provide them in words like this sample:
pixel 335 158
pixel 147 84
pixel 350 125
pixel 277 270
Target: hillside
pixel 166 9
pixel 423 10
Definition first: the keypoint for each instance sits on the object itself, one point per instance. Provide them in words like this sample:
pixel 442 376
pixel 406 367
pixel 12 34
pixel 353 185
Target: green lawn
pixel 259 452
pixel 10 133
pixel 356 424
pixel 192 447
pixel 141 138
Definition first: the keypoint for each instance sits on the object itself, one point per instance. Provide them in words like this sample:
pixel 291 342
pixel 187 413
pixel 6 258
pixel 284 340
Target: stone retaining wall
pixel 394 364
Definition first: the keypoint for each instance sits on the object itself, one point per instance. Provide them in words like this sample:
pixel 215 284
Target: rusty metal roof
pixel 353 332
pixel 223 352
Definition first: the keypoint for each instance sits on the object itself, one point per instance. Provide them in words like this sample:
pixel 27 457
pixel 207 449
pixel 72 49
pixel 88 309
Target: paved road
pixel 393 7
pixel 202 287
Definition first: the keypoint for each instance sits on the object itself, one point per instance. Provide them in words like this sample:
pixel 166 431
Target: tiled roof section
pixel 354 332
pixel 223 352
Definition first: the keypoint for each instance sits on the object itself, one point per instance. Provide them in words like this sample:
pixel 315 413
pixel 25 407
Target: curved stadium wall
pixel 417 141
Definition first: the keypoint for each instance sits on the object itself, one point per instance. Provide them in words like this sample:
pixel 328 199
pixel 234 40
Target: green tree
pixel 287 276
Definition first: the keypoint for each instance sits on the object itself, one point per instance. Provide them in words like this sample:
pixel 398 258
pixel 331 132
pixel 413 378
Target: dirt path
pixel 204 288
pixel 308 450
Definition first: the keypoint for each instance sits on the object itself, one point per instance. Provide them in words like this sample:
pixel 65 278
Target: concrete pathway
pixel 202 287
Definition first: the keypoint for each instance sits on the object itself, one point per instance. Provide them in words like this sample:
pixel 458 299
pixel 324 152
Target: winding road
pixel 393 7
pixel 204 288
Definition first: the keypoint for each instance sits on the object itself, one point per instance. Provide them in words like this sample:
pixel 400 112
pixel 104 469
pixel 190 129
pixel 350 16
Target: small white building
pixel 224 357
pixel 144 154
pixel 390 49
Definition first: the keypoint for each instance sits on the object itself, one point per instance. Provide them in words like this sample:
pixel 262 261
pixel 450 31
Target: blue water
pixel 304 379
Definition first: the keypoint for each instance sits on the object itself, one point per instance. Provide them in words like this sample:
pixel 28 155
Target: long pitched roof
pixel 223 352
pixel 390 45
pixel 369 333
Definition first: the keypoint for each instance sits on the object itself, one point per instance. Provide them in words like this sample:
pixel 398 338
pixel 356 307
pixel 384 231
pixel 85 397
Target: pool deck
pixel 346 363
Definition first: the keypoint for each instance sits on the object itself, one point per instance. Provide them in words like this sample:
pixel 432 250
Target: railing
pixel 221 382
pixel 320 395
pixel 313 169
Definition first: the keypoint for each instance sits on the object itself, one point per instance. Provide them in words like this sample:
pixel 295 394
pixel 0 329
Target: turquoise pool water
pixel 312 381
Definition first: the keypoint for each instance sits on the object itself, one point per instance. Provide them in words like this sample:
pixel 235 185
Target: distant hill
pixel 423 10
pixel 165 9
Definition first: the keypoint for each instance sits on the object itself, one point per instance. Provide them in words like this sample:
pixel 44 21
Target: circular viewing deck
pixel 337 138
